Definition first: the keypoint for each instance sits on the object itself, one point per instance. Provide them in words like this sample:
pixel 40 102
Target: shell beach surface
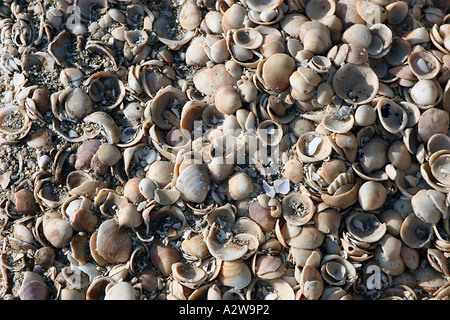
pixel 224 150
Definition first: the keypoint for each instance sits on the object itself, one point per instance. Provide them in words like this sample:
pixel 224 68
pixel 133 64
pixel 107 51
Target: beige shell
pixel 188 275
pixel 248 38
pixel 341 125
pixel 392 116
pixel 194 183
pixel 276 70
pixel 415 233
pixel 319 9
pixel 439 164
pixel 298 209
pixel 355 83
pixel 195 248
pixel 282 290
pixel 268 266
pixel 221 249
pixel 365 227
pixel 239 186
pixel 227 99
pixel 235 274
pixel 303 237
pixel 190 15
pixel 113 243
pixel 431 122
pixel 312 147
pixel 337 271
pixel 270 132
pixel 163 257
pixel 424 65
pixel 304 82
pixel 168 221
pixel 424 204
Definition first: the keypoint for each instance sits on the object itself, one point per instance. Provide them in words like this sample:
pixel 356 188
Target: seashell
pixel 195 248
pixel 372 195
pixel 129 216
pixel 194 183
pixel 414 232
pixel 245 226
pixel 161 172
pixel 57 230
pixel 319 9
pixel 424 204
pixel 337 271
pixel 381 40
pixel 304 82
pixel 261 215
pixel 25 202
pixel 33 287
pixel 365 227
pixel 233 17
pixel 438 261
pixel 327 220
pixel 292 22
pixel 189 276
pixel 315 37
pixel 9 132
pixel 268 267
pixel 374 154
pixel 298 209
pixel 113 243
pixel 393 117
pixel 120 291
pixel 359 34
pixel 388 256
pixel 303 237
pixel 312 147
pixel 362 75
pixel 235 274
pixel 221 249
pixel 370 12
pixel 431 122
pixel 399 52
pixel 240 186
pixel 156 107
pixel 426 93
pixel 163 257
pixel 213 20
pixel 341 125
pixel 190 15
pixel 108 126
pixel 169 221
pixel 227 100
pixel 399 155
pixel 280 290
pixel 276 71
pixel 424 65
pixel 293 170
pixel 270 132
pixel 248 38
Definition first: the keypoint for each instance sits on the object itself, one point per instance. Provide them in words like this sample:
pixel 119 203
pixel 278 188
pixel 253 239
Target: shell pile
pixel 224 149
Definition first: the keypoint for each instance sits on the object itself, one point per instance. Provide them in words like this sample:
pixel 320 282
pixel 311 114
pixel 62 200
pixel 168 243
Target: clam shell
pixel 276 71
pixel 415 233
pixel 248 38
pixel 363 76
pixel 298 209
pixel 392 116
pixel 424 65
pixel 365 227
pixel 194 183
pixel 312 147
